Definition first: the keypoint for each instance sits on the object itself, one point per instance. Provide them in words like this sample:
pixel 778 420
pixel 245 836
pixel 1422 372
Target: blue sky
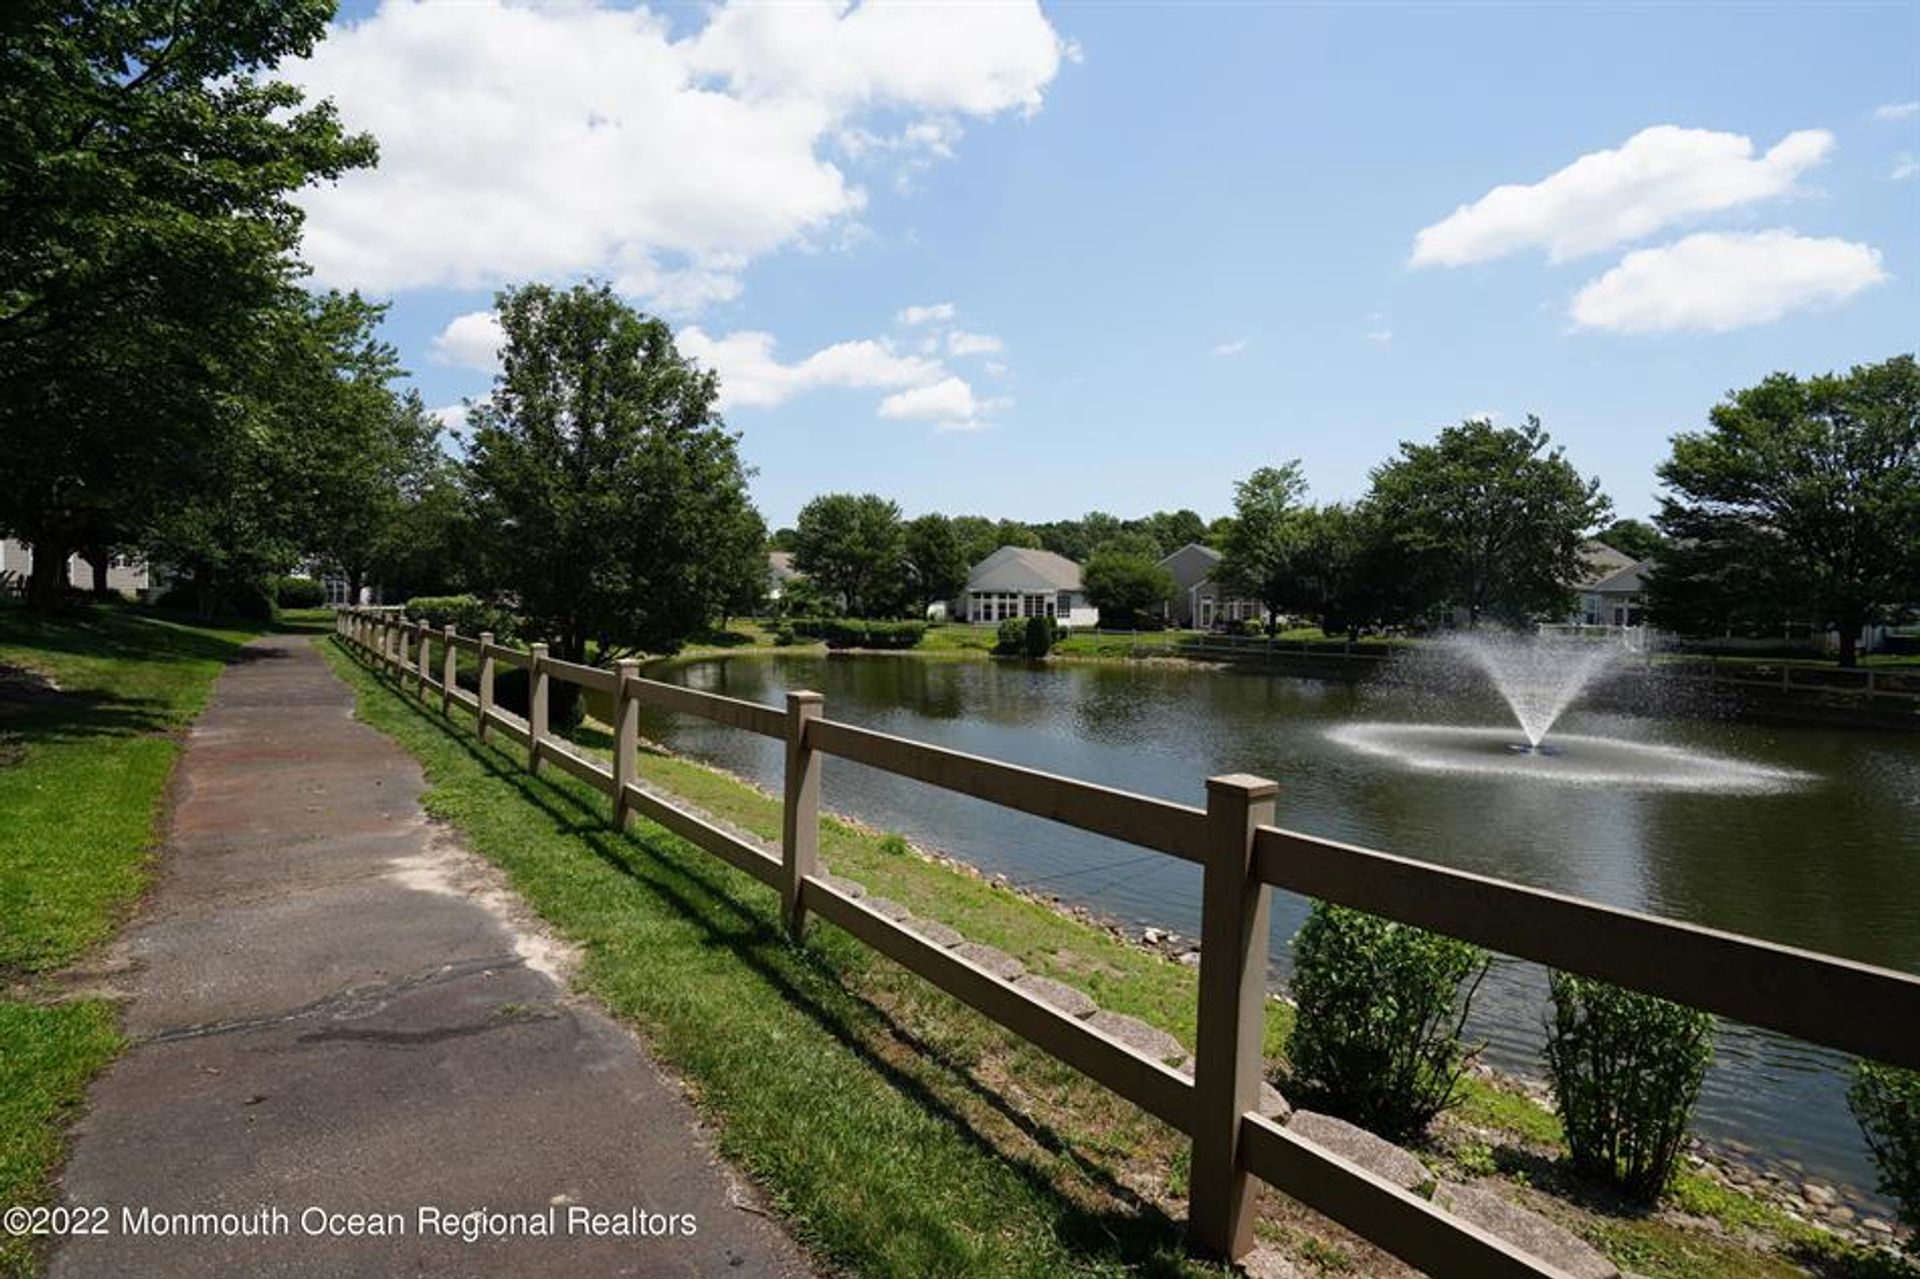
pixel 1177 242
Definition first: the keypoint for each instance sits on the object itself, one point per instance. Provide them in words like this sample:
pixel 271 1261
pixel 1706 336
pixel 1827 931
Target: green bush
pixel 1886 1102
pixel 854 632
pixel 1039 636
pixel 1376 1039
pixel 300 592
pixel 783 636
pixel 1625 1069
pixel 251 600
pixel 1011 638
pixel 470 615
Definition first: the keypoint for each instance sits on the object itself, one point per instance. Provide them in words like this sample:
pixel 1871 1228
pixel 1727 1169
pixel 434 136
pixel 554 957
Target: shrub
pixel 1886 1102
pixel 1625 1069
pixel 1039 636
pixel 853 632
pixel 470 615
pixel 783 636
pixel 1377 1036
pixel 1011 638
pixel 251 600
pixel 301 592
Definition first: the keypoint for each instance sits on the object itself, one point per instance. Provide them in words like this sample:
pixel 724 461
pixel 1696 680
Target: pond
pixel 1826 855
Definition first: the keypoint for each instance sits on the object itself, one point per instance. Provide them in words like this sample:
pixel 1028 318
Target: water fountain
pixel 1539 679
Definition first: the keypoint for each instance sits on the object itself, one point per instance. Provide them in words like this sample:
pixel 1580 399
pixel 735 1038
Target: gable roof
pixel 1601 562
pixel 1020 568
pixel 1630 580
pixel 780 566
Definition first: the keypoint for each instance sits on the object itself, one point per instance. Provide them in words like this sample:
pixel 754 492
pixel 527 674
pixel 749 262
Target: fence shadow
pixel 704 894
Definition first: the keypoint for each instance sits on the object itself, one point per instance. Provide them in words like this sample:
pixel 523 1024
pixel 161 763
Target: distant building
pixel 780 571
pixel 1198 600
pixel 126 575
pixel 1613 593
pixel 1016 581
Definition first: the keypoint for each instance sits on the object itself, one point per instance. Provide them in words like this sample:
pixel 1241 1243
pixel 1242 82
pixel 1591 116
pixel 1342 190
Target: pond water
pixel 1822 852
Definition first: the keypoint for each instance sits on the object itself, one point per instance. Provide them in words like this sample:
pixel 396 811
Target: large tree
pixel 602 476
pixel 852 545
pixel 1124 580
pixel 1347 573
pixel 936 560
pixel 1491 519
pixel 146 165
pixel 1257 560
pixel 1801 500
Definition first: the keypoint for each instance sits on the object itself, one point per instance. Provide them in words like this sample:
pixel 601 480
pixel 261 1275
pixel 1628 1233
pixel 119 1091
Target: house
pixel 1198 601
pixel 125 575
pixel 780 571
pixel 1613 592
pixel 1016 581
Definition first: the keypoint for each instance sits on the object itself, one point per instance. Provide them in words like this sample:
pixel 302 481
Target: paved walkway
pixel 335 1008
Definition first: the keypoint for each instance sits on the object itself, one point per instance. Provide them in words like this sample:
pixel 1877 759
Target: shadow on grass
pixel 117 632
pixel 1140 1235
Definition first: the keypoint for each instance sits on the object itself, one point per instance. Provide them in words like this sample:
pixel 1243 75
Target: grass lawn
pixel 86 746
pixel 898 1132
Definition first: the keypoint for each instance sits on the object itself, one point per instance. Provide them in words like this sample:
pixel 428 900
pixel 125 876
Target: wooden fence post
pixel 423 662
pixel 449 672
pixel 626 738
pixel 536 706
pixel 486 684
pixel 1234 918
pixel 800 802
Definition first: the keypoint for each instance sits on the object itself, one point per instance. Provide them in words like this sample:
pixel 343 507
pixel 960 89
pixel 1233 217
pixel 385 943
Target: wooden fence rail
pixel 1244 855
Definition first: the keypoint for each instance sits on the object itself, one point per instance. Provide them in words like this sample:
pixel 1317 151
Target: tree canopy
pixel 1801 501
pixel 146 245
pixel 609 494
pixel 1124 580
pixel 852 545
pixel 1490 519
pixel 1257 560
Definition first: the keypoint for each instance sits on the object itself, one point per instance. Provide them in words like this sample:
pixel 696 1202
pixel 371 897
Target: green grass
pixel 898 1132
pixel 81 775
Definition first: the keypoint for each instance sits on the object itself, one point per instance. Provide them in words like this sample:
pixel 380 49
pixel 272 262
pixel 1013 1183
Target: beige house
pixel 1017 581
pixel 125 575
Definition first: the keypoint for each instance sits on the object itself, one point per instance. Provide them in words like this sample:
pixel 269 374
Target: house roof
pixel 1622 581
pixel 1020 568
pixel 1602 561
pixel 1192 550
pixel 780 566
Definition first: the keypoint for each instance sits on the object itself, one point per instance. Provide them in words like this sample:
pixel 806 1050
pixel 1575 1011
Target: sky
pixel 1029 261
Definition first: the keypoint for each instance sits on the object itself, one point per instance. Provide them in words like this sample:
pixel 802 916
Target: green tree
pixel 936 561
pixel 1124 580
pixel 1491 519
pixel 146 231
pixel 1257 560
pixel 603 477
pixel 853 545
pixel 1801 498
pixel 1636 538
pixel 1346 571
pixel 1171 530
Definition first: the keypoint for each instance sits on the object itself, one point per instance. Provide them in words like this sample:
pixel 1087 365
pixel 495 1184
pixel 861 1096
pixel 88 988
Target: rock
pixel 1356 1145
pixel 1148 1041
pixel 845 887
pixel 1820 1196
pixel 1190 958
pixel 1272 1105
pixel 933 930
pixel 1069 1000
pixel 997 962
pixel 886 908
pixel 1268 1263
pixel 1840 1215
pixel 1525 1229
pixel 1874 1225
pixel 1153 936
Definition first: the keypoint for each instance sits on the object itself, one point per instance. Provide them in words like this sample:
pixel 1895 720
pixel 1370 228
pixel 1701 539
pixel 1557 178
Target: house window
pixel 1064 605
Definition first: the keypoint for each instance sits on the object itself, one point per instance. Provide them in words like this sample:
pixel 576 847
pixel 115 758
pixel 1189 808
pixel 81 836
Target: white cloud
pixel 1904 167
pixel 949 404
pixel 1715 281
pixel 546 141
pixel 470 341
pixel 751 376
pixel 1890 111
pixel 451 417
pixel 963 343
pixel 1233 347
pixel 934 312
pixel 1380 335
pixel 1659 176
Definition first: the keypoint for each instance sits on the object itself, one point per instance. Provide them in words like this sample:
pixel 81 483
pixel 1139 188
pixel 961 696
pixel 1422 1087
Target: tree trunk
pixel 100 561
pixel 1849 646
pixel 356 578
pixel 47 586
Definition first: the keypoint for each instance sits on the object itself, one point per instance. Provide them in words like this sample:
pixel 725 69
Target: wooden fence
pixel 1243 854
